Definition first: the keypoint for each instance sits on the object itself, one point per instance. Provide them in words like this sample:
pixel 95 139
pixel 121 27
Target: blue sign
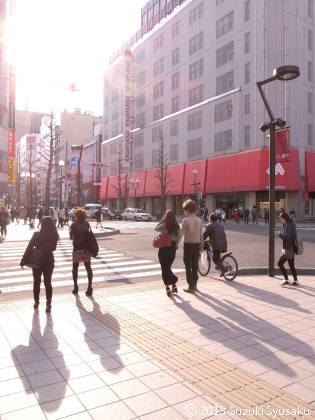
pixel 74 161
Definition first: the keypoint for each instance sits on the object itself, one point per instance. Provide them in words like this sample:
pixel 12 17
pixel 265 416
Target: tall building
pixel 194 68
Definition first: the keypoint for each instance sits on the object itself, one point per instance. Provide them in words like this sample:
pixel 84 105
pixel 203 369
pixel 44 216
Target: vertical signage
pixel 11 129
pixel 128 107
pixel 283 145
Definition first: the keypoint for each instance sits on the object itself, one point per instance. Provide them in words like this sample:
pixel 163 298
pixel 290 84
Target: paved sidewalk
pixel 133 353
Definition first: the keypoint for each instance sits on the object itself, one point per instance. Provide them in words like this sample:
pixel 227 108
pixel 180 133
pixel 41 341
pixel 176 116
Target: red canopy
pixel 113 186
pixel 175 179
pixel 310 171
pixel 103 189
pixel 151 184
pixel 200 167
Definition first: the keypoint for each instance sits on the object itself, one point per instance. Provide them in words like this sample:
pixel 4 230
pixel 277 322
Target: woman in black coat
pixel 46 240
pixel 288 249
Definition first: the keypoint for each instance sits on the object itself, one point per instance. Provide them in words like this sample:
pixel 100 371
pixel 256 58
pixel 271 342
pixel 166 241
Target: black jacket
pixel 288 236
pixel 38 242
pixel 215 231
pixel 78 234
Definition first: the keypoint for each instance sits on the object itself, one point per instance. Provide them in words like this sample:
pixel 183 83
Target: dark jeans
pixel 166 258
pixel 89 271
pixel 246 219
pixel 217 259
pixel 281 263
pixel 191 257
pixel 47 271
pixel 3 227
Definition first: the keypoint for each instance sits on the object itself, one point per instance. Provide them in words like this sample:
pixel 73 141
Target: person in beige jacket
pixel 191 230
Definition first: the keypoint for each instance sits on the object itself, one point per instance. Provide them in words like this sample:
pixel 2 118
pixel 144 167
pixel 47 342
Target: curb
pixel 249 271
pixel 104 234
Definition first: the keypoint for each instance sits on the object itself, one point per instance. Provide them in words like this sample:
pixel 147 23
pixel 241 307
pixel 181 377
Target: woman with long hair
pixel 78 233
pixel 288 249
pixel 168 225
pixel 46 240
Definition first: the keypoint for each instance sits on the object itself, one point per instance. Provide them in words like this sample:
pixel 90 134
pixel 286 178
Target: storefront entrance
pixel 228 202
pixel 262 201
pixel 310 205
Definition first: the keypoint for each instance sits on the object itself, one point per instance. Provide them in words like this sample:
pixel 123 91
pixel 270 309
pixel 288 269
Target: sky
pixel 58 42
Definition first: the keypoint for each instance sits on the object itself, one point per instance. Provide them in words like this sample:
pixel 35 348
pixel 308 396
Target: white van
pixel 91 209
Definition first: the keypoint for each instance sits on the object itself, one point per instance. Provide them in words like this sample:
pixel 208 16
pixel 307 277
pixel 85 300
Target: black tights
pixel 281 262
pixel 46 271
pixel 89 271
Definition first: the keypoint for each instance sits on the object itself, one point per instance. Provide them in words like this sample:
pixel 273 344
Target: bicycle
pixel 228 261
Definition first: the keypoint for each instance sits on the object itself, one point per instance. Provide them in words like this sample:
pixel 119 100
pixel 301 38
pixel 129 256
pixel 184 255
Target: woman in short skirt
pixel 78 233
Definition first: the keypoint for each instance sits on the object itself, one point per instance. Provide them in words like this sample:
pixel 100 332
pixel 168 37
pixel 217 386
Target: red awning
pixel 310 171
pixel 200 167
pixel 103 189
pixel 113 186
pixel 151 184
pixel 248 171
pixel 141 176
pixel 175 179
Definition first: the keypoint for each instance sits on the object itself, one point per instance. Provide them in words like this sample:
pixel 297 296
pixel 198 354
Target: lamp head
pixel 61 163
pixel 264 127
pixel 286 72
pixel 280 122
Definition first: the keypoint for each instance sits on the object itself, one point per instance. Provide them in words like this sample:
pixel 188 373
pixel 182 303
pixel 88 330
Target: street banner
pixel 11 171
pixel 128 107
pixel 11 128
pixel 283 145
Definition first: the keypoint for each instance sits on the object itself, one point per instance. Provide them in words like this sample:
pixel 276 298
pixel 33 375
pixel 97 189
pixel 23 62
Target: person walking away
pixel 193 244
pixel 254 215
pixel 292 213
pixel 40 215
pixel 12 215
pixel 67 216
pixel 17 215
pixel 288 250
pixel 218 242
pixel 223 216
pixel 170 226
pixel 78 233
pixel 246 216
pixel 98 215
pixel 46 240
pixel 31 216
pixel 4 218
pixel 24 215
pixel 266 216
pixel 205 214
pixel 61 217
pixel 237 215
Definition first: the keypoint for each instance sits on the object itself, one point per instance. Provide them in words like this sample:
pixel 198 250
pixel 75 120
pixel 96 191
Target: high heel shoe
pixel 168 291
pixel 174 288
pixel 75 290
pixel 36 304
pixel 48 308
pixel 89 291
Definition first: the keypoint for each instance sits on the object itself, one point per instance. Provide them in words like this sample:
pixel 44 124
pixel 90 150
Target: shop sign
pixel 283 145
pixel 128 107
pixel 11 170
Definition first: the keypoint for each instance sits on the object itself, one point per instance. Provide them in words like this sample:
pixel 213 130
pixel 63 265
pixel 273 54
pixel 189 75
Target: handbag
pixel 162 241
pixel 91 243
pixel 298 246
pixel 35 259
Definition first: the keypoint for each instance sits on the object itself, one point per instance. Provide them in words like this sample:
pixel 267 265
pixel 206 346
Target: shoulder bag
pixel 35 259
pixel 91 243
pixel 162 241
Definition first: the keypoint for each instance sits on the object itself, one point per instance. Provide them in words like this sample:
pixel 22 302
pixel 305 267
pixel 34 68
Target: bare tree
pixel 162 177
pixel 48 154
pixel 122 190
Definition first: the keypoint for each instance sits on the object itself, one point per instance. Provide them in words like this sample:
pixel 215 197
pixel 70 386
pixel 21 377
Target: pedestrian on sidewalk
pixel 266 216
pixel 98 215
pixel 17 215
pixel 40 215
pixel 4 221
pixel 216 233
pixel 246 216
pixel 61 218
pixel 288 250
pixel 31 216
pixel 78 233
pixel 169 226
pixel 193 244
pixel 24 215
pixel 254 215
pixel 46 240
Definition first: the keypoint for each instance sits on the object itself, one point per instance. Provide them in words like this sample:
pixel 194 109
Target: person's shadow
pixel 114 338
pixel 43 393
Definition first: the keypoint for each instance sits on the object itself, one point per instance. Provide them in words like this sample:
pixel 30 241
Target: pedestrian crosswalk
pixel 109 266
pixel 129 225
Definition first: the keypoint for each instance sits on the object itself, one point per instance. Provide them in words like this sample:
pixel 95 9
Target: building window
pixel 139 140
pixel 158 112
pixel 158 67
pixel 196 43
pixel 247 42
pixel 196 13
pixel 247 10
pixel 247 103
pixel 247 136
pixel 195 95
pixel 225 54
pixel 174 128
pixel 196 69
pixel 140 100
pixel 223 141
pixel 175 29
pixel 310 71
pixel 175 80
pixel 194 121
pixel 310 133
pixel 138 161
pixel 141 78
pixel 113 148
pixel 140 119
pixel 310 106
pixel 175 56
pixel 156 133
pixel 223 111
pixel 155 157
pixel 310 8
pixel 225 82
pixel 194 147
pixel 158 42
pixel 158 90
pixel 225 24
pixel 140 55
pixel 174 152
pixel 247 73
pixel 175 103
pixel 310 40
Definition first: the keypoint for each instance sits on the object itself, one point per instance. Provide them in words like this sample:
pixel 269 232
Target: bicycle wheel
pixel 231 267
pixel 204 263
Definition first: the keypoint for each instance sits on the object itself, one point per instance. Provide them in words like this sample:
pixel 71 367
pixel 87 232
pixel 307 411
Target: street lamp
pixel 80 148
pixel 283 73
pixel 61 164
pixel 135 185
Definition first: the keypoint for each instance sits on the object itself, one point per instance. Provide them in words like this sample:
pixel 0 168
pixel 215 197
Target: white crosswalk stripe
pixel 108 266
pixel 130 225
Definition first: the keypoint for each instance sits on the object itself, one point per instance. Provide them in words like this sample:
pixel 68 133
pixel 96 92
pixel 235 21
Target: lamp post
pixel 135 185
pixel 195 184
pixel 61 164
pixel 283 73
pixel 80 148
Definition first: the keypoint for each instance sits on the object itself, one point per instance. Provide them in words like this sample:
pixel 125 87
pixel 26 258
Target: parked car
pixel 91 209
pixel 136 215
pixel 111 214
